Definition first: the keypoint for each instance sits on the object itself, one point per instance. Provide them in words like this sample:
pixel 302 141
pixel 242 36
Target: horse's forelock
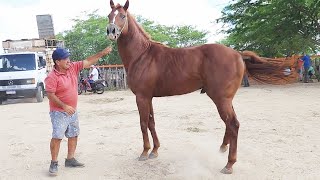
pixel 118 6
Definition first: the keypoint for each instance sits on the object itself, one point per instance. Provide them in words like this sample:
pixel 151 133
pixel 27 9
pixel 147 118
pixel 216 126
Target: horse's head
pixel 118 20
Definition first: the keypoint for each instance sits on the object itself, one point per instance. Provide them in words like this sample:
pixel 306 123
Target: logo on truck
pixel 10 82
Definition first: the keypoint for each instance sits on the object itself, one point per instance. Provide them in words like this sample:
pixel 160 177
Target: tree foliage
pixel 173 36
pixel 273 27
pixel 88 36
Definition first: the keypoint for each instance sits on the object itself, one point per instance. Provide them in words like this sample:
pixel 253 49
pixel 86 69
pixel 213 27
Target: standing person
pixel 300 69
pixel 245 80
pixel 306 65
pixel 62 92
pixel 311 72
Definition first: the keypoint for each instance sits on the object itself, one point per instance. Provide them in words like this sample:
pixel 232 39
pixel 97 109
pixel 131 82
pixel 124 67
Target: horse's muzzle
pixel 113 31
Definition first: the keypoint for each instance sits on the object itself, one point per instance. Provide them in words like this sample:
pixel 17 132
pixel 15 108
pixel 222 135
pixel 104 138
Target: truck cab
pixel 22 75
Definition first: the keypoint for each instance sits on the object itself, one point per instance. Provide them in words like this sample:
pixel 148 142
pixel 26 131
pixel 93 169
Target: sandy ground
pixel 279 137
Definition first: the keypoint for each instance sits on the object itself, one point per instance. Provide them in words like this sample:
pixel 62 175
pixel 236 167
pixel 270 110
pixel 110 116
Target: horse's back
pixel 203 60
pixel 220 51
pixel 217 57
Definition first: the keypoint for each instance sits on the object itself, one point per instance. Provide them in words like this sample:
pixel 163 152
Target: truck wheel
pixel 39 94
pixel 2 100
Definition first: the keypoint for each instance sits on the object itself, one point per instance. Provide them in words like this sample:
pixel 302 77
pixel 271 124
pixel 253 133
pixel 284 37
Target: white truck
pixel 23 68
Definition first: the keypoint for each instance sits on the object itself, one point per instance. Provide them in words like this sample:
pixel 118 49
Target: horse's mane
pixel 142 31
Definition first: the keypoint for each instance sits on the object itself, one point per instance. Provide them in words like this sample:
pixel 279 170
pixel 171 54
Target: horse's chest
pixel 132 81
pixel 138 83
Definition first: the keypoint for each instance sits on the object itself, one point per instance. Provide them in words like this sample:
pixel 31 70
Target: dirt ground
pixel 279 137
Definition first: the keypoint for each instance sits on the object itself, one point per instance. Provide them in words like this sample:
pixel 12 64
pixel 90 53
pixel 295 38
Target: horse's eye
pixel 122 16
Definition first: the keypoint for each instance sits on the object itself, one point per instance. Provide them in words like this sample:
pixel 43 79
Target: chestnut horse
pixel 155 70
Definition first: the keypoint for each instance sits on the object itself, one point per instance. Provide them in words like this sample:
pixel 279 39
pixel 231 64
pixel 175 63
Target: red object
pixel 300 63
pixel 64 85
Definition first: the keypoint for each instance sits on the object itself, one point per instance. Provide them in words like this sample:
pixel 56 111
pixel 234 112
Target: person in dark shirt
pixel 306 64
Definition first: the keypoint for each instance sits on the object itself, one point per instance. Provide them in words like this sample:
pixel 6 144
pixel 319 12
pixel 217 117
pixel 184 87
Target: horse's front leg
pixel 156 143
pixel 143 104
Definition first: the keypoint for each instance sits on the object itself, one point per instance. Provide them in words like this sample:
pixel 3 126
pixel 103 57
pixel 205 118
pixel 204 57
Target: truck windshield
pixel 17 62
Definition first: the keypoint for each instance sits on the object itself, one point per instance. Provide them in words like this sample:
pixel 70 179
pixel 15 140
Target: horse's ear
pixel 126 6
pixel 111 4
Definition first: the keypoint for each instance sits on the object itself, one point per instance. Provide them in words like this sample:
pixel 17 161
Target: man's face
pixel 64 63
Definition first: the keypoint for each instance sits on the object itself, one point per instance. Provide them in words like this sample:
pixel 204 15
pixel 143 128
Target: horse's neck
pixel 133 44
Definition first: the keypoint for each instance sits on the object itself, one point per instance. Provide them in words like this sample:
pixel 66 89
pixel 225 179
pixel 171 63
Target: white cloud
pixel 19 22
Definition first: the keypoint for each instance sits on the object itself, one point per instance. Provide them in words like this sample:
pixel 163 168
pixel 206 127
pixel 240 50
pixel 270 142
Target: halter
pixel 122 26
pixel 125 23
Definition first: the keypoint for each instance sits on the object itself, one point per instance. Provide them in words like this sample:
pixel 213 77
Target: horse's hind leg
pixel 156 143
pixel 227 114
pixel 229 117
pixel 226 139
pixel 225 142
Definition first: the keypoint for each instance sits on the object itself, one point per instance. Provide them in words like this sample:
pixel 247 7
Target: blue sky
pixel 18 17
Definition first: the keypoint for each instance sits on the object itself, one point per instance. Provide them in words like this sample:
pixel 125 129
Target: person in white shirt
pixel 94 75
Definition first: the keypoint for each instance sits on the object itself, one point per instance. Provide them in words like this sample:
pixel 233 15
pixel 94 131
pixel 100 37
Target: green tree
pixel 173 36
pixel 273 27
pixel 87 37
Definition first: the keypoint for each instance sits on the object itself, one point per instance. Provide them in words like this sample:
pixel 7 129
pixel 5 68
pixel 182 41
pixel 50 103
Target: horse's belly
pixel 177 88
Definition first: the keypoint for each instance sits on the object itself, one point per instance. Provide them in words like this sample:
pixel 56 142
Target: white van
pixel 22 75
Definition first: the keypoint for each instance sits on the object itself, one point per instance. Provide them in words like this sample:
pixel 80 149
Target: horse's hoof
pixel 223 148
pixel 143 158
pixel 153 155
pixel 225 170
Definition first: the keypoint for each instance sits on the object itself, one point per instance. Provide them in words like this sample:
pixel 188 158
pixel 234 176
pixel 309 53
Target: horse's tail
pixel 270 71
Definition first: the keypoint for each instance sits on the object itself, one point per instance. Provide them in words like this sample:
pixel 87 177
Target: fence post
pixel 124 77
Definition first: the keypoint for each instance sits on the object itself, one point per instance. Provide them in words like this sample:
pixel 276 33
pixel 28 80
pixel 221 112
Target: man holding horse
pixel 62 91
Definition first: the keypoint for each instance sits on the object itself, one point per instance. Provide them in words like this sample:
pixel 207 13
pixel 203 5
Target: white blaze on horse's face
pixel 114 17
